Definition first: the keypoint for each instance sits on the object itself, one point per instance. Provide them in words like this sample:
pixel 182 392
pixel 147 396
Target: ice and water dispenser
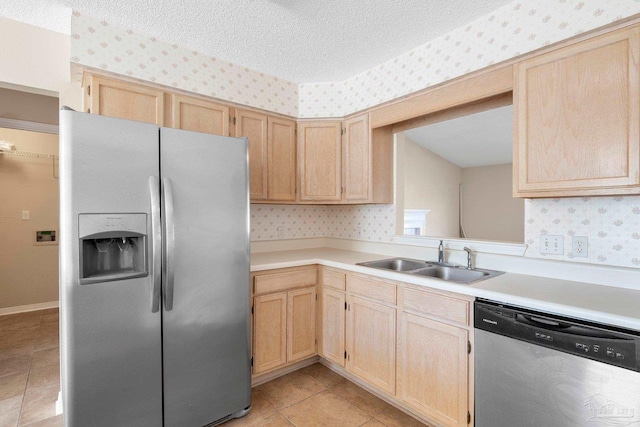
pixel 112 247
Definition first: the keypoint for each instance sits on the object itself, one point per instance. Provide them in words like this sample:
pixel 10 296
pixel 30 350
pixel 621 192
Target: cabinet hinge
pixel 468 417
pixel 234 120
pixel 316 297
pixel 89 90
pixel 345 305
pixel 252 362
pixel 251 309
pixel 468 347
pixel 345 354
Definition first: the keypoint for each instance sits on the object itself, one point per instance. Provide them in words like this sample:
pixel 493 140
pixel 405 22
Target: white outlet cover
pixel 580 246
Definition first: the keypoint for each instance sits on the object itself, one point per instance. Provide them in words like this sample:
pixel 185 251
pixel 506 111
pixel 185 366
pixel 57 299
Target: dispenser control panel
pixel 112 247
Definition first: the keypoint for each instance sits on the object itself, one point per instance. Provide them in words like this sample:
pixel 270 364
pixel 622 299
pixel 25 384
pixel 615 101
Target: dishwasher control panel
pixel 611 345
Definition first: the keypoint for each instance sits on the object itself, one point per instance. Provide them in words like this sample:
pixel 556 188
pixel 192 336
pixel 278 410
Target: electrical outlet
pixel 580 246
pixel 551 244
pixel 281 232
pixel 26 215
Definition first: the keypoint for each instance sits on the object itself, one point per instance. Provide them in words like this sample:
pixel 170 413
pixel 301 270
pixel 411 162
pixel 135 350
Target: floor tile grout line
pixel 26 384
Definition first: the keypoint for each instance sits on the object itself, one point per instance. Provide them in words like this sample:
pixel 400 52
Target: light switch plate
pixel 551 244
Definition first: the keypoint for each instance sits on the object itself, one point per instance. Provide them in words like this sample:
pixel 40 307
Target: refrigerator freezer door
pixel 111 363
pixel 206 359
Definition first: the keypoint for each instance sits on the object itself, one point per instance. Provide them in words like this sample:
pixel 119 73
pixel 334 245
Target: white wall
pixel 34 57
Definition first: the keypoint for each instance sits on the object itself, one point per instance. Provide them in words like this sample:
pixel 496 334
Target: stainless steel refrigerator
pixel 154 273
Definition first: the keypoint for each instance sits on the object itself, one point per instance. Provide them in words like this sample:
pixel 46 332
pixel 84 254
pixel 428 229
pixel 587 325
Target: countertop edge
pixel 477 290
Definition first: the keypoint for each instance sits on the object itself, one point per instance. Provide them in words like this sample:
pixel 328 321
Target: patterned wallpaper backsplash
pixel 375 223
pixel 516 28
pixel 612 225
pixel 104 46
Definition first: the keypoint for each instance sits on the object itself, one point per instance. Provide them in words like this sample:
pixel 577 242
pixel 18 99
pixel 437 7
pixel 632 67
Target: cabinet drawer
pixel 372 288
pixel 276 282
pixel 334 279
pixel 435 305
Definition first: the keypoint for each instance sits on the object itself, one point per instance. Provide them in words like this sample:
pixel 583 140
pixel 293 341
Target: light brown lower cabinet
pixel 283 328
pixel 433 368
pixel 333 327
pixel 409 342
pixel 269 332
pixel 371 342
pixel 301 324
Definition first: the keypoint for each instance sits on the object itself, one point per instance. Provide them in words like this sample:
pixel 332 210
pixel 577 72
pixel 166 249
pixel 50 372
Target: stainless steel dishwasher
pixel 535 369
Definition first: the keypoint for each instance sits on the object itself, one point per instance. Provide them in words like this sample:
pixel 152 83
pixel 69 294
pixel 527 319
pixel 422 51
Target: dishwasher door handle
pixel 542 322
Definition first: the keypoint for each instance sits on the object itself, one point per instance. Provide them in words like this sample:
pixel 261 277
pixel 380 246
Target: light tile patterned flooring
pixel 311 397
pixel 29 369
pixel 315 397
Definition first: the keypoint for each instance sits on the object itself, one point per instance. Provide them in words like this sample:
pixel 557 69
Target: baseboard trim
pixel 29 307
pixel 272 375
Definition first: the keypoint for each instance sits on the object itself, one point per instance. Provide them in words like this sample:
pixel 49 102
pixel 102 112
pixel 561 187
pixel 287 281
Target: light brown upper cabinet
pixel 198 115
pixel 281 155
pixel 345 162
pixel 356 163
pixel 272 155
pixel 577 119
pixel 320 154
pixel 254 127
pixel 124 100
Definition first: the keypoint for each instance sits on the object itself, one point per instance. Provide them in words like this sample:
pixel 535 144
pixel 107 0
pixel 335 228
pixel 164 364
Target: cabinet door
pixel 356 153
pixel 301 324
pixel 199 115
pixel 269 332
pixel 124 100
pixel 576 118
pixel 254 127
pixel 433 369
pixel 333 323
pixel 282 159
pixel 319 161
pixel 371 342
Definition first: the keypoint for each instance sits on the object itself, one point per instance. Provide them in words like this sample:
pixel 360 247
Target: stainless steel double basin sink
pixel 448 272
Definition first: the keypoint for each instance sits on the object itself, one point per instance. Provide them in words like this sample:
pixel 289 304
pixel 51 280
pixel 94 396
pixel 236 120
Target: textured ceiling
pixel 302 41
pixel 479 139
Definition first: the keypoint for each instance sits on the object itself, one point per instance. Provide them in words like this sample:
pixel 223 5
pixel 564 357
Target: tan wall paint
pixel 430 182
pixel 489 211
pixel 28 273
pixel 29 107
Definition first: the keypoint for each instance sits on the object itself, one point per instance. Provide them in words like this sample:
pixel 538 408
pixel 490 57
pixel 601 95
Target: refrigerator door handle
pixel 156 242
pixel 168 261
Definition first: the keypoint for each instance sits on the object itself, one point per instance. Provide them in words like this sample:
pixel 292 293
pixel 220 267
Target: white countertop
pixel 604 304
